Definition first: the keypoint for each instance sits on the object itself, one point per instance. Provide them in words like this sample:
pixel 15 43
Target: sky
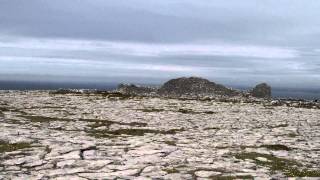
pixel 232 42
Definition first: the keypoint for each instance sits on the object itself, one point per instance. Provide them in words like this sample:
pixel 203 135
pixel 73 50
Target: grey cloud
pixel 286 24
pixel 115 20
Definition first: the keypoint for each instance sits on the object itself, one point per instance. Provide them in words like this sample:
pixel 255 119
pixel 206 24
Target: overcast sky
pixel 149 41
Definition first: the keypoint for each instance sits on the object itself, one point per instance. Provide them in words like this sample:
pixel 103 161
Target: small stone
pixel 128 172
pixel 206 174
pixel 262 159
pixel 67 163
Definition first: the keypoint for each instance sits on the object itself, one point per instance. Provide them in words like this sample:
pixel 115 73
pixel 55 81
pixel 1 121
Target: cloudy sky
pixel 149 41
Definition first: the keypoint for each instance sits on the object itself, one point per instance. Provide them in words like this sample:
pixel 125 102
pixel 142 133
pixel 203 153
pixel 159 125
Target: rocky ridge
pixel 195 87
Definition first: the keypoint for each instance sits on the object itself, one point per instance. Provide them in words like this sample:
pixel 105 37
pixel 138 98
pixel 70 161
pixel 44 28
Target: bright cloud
pixel 104 65
pixel 154 50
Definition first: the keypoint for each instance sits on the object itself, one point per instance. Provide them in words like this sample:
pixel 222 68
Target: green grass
pixel 289 168
pixel 211 128
pixel 209 112
pixel 190 111
pixel 292 135
pixel 131 132
pixel 276 147
pixel 170 143
pixel 184 111
pixel 111 95
pixel 151 110
pixel 4 109
pixel 171 170
pixel 231 177
pixel 278 126
pixel 44 119
pixel 8 147
pixel 119 96
pixel 96 123
pixel 187 111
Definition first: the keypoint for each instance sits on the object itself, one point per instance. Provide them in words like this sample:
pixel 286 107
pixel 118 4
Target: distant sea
pixel 301 93
pixel 29 85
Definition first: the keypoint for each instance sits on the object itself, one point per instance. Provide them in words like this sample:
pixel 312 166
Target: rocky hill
pixel 194 87
pixel 262 90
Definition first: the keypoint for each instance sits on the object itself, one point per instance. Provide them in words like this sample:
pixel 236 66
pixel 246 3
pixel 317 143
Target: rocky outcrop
pixel 136 90
pixel 262 90
pixel 194 86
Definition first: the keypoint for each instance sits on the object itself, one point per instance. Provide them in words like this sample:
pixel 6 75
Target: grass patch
pixel 278 126
pixel 8 147
pixel 171 170
pixel 47 149
pixel 151 110
pixel 212 128
pixel 112 95
pixel 43 119
pixel 292 135
pixel 95 123
pixel 187 111
pixel 15 121
pixel 119 96
pixel 209 112
pixel 190 111
pixel 170 143
pixel 276 147
pixel 107 123
pixel 4 109
pixel 231 177
pixel 184 111
pixel 289 168
pixel 130 132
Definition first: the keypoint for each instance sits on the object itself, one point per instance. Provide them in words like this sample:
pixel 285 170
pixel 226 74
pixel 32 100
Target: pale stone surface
pixel 95 137
pixel 206 174
pixel 262 159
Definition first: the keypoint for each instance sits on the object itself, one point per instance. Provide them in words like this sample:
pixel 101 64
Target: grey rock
pixel 262 90
pixel 194 86
pixel 132 89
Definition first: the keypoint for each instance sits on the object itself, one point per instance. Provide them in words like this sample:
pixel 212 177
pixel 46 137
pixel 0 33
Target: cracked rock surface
pixel 75 136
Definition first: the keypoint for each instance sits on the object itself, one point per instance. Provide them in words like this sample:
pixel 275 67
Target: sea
pixel 301 93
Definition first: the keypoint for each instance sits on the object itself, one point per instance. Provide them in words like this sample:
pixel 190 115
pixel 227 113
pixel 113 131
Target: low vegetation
pixel 171 170
pixel 289 168
pixel 43 119
pixel 276 147
pixel 8 147
pixel 212 128
pixel 131 132
pixel 4 109
pixel 151 110
pixel 111 95
pixel 95 123
pixel 170 143
pixel 231 177
pixel 190 111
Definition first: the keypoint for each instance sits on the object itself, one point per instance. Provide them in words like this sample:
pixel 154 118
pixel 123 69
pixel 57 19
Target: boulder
pixel 262 90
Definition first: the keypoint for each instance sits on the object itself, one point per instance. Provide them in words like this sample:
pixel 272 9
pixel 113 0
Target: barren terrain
pixel 77 136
